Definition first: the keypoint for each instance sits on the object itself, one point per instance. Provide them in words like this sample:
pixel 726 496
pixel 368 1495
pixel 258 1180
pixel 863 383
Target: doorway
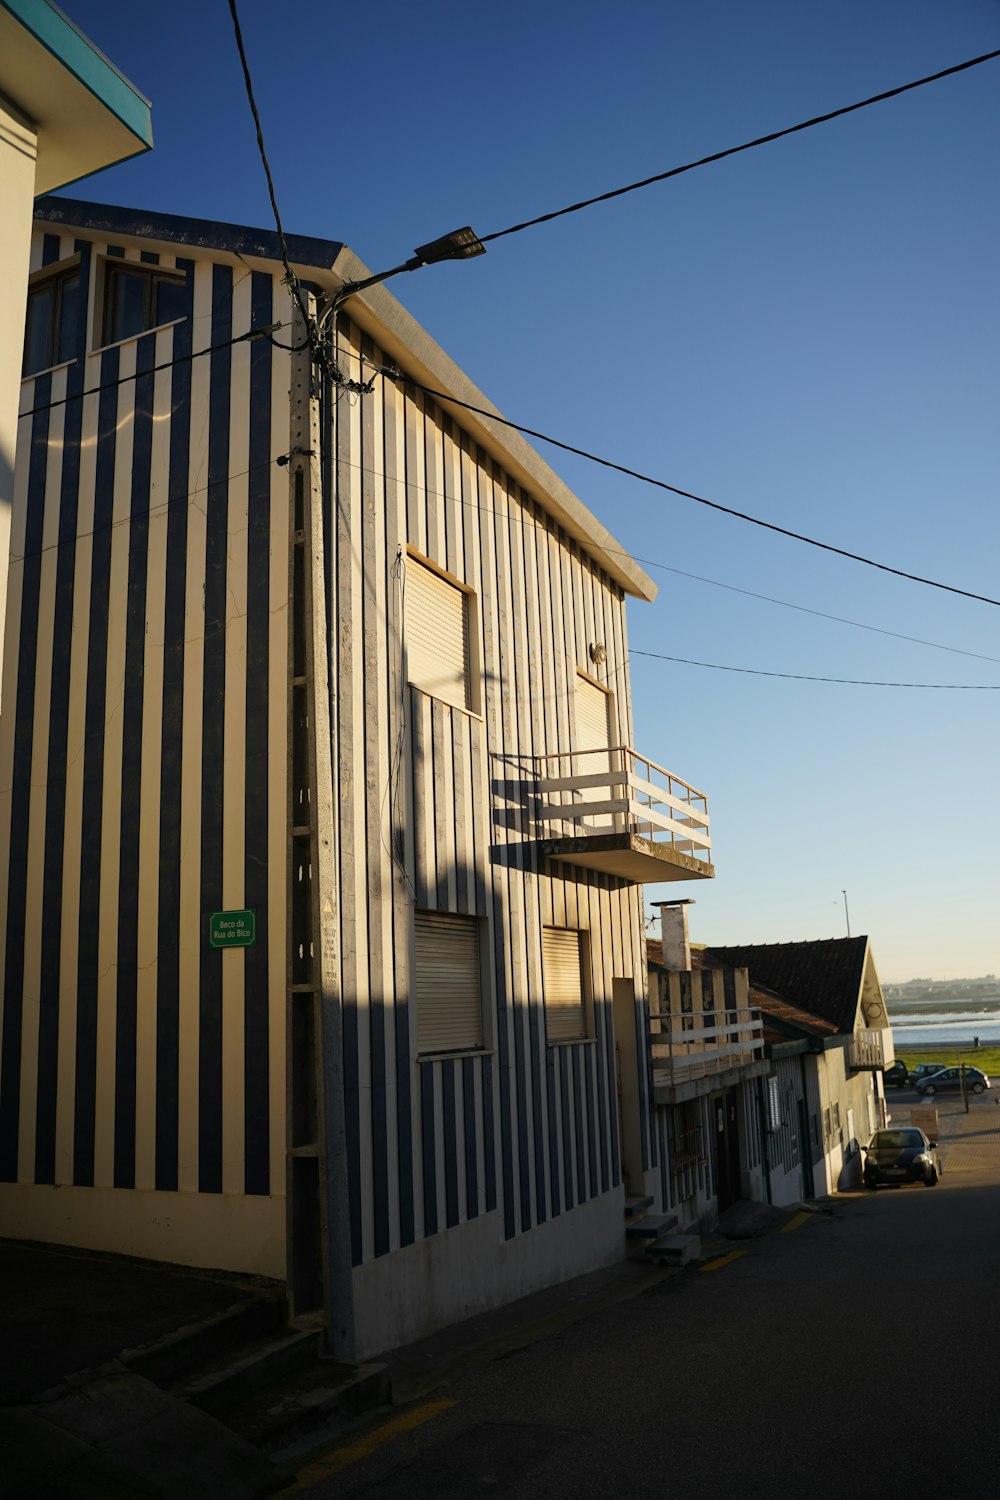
pixel 627 1071
pixel 726 1148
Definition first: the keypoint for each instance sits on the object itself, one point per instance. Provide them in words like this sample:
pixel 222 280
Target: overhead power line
pixel 760 140
pixel 390 372
pixel 165 364
pixel 291 279
pixel 804 609
pixel 714 666
pixel 650 562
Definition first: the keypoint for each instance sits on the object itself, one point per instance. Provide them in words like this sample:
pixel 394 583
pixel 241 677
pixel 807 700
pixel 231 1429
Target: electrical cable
pixel 805 610
pixel 152 513
pixel 650 562
pixel 953 687
pixel 391 373
pixel 760 140
pixel 166 364
pixel 291 279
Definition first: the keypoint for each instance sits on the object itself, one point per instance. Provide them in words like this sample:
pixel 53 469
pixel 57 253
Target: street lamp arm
pixel 460 244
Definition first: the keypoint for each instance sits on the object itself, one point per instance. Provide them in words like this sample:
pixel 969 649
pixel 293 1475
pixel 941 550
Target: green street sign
pixel 232 929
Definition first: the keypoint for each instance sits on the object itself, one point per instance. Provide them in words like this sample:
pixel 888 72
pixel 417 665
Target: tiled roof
pixel 821 978
pixel 793 1015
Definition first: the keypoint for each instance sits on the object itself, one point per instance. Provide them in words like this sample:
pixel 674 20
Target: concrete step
pixel 297 1411
pixel 675 1249
pixel 165 1359
pixel 221 1383
pixel 636 1207
pixel 651 1227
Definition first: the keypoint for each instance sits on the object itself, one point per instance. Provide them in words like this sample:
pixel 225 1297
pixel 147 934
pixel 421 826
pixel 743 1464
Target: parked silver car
pixel 949 1081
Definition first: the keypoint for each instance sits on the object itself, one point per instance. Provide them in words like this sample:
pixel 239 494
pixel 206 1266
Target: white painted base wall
pixel 468 1269
pixel 786 1187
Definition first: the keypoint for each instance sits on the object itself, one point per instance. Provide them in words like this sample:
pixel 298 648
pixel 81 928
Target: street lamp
pixel 460 244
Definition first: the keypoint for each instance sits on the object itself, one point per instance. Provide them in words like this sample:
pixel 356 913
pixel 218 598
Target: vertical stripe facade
pixel 139 746
pixel 437 812
pixel 145 747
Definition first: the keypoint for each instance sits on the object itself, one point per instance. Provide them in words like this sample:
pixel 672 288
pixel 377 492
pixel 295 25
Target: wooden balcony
pixel 691 1046
pixel 616 811
pixel 866 1050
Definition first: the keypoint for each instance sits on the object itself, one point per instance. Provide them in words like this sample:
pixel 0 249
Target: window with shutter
pixel 437 635
pixel 562 975
pixel 592 712
pixel 448 983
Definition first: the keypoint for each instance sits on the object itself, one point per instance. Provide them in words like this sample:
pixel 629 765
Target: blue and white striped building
pixel 493 823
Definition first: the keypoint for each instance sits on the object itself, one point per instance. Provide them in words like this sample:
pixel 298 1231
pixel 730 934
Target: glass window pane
pixel 69 312
pixel 38 331
pixel 171 299
pixel 126 309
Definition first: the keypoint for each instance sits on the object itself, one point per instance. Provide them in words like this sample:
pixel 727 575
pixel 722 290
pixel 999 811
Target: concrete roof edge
pixel 71 47
pixel 405 339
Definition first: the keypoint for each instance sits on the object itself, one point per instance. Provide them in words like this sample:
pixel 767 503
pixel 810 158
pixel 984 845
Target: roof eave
pixel 403 339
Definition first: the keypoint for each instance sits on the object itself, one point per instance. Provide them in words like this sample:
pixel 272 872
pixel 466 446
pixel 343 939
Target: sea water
pixel 947 1028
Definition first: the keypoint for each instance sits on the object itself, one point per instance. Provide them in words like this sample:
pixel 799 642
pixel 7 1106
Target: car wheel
pixel 870 1185
pixel 931 1178
pixel 901 1084
pixel 977 1088
pixel 928 1088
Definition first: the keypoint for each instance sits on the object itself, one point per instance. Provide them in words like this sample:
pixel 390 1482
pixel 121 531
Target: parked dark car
pixel 924 1070
pixel 903 1155
pixel 897 1074
pixel 949 1081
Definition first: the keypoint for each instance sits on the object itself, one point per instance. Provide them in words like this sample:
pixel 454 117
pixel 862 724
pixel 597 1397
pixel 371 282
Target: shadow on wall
pixel 850 1172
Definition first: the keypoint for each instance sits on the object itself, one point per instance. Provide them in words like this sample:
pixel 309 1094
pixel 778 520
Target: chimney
pixel 674 932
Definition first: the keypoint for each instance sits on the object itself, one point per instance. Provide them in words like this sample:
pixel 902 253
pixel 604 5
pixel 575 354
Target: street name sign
pixel 232 929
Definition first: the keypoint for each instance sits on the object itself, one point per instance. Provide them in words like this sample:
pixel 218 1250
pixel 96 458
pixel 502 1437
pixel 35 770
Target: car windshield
pixel 896 1140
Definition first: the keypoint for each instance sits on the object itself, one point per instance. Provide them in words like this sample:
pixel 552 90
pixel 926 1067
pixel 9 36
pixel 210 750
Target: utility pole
pixel 320 1274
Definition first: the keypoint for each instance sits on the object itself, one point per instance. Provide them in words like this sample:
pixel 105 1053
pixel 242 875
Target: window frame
pixel 459 1049
pixel 55 276
pixel 474 694
pixel 586 993
pixel 151 274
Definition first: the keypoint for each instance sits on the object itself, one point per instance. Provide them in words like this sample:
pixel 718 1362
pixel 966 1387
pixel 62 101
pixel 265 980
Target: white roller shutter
pixel 593 732
pixel 437 635
pixel 448 983
pixel 593 722
pixel 562 974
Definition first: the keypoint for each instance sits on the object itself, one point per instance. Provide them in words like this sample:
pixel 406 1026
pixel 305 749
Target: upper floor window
pixel 448 983
pixel 52 321
pixel 438 635
pixel 139 297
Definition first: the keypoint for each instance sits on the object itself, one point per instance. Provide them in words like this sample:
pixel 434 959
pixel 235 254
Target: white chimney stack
pixel 674 933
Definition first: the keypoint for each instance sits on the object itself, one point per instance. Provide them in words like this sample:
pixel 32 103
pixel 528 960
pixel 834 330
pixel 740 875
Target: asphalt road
pixel 851 1355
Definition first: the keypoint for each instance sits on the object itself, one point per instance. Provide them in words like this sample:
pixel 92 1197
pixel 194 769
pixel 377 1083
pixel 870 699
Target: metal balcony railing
pixel 866 1049
pixel 703 1043
pixel 618 791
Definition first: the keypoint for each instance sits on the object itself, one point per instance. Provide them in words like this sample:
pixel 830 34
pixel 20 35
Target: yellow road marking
pixel 722 1260
pixel 795 1223
pixel 354 1452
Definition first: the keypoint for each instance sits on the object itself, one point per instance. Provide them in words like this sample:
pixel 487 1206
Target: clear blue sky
pixel 808 332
